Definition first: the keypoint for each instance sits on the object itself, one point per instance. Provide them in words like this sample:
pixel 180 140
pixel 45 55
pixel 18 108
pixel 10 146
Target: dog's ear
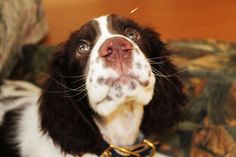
pixel 67 122
pixel 164 110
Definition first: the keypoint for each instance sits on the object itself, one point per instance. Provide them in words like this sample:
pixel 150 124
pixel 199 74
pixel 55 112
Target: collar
pixel 144 148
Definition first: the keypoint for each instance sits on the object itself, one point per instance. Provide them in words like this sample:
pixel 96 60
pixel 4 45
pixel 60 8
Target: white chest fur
pixel 121 128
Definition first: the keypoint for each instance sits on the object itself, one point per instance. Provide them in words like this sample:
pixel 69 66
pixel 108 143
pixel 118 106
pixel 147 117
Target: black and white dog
pixel 110 83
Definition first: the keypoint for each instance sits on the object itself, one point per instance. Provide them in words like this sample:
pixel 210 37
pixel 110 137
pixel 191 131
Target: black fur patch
pixel 164 110
pixel 66 118
pixel 7 133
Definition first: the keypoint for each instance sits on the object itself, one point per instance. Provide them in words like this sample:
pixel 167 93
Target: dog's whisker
pixel 65 76
pixel 81 87
pixel 72 89
pixel 74 76
pixel 166 56
pixel 157 73
pixel 85 94
pixel 176 73
pixel 157 63
pixel 83 78
pixel 56 92
pixel 76 93
pixel 167 78
pixel 166 95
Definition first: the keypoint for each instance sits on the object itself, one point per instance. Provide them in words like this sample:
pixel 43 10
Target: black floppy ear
pixel 164 110
pixel 67 122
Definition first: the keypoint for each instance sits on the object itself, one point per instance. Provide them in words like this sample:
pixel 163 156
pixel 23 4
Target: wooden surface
pixel 174 19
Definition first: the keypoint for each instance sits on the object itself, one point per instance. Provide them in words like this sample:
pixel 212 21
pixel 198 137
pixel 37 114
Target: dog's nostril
pixel 109 50
pixel 125 48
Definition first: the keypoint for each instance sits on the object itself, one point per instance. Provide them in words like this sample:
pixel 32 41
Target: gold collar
pixel 135 150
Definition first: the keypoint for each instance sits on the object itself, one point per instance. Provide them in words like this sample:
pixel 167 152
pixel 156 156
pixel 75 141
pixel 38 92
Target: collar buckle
pixel 138 150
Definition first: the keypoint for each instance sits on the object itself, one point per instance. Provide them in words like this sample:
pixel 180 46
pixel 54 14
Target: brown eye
pixel 132 34
pixel 83 47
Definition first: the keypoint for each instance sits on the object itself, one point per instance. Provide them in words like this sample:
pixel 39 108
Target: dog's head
pixel 108 62
pixel 117 70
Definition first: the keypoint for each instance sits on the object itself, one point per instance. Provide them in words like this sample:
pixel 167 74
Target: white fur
pixel 119 120
pixel 8 89
pixel 122 126
pixel 97 94
pixel 89 155
pixel 32 142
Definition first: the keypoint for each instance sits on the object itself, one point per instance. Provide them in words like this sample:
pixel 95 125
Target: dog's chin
pixel 125 90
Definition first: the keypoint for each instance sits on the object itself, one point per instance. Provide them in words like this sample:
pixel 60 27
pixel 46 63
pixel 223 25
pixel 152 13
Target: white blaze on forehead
pixel 105 33
pixel 96 93
pixel 103 25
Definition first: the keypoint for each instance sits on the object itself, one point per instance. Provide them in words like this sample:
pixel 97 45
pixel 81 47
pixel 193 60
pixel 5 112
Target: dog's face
pixel 117 70
pixel 108 62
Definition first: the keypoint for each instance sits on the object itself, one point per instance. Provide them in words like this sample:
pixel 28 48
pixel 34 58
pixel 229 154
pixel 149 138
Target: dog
pixel 110 85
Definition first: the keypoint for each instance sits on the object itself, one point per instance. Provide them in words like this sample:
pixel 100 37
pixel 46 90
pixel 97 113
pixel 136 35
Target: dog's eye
pixel 83 47
pixel 132 34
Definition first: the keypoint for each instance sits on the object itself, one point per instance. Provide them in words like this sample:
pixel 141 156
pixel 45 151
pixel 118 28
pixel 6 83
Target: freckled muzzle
pixel 118 71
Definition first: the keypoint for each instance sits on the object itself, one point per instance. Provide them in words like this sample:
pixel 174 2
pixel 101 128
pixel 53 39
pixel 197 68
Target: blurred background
pixel 200 34
pixel 174 19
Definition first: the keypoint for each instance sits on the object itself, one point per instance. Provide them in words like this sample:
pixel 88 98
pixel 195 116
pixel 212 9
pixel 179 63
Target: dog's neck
pixel 122 127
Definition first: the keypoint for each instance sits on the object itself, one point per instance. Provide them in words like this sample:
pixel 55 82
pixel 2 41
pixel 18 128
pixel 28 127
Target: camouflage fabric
pixel 21 22
pixel 208 71
pixel 210 83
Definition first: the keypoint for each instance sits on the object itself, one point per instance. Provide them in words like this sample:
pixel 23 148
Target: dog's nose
pixel 116 49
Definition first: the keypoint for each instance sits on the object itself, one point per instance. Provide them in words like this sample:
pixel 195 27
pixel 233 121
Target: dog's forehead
pixel 112 24
pixel 106 25
pixel 103 24
pixel 89 30
pixel 96 27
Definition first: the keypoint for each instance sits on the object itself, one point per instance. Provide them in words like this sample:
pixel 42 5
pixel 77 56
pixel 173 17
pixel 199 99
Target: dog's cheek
pixel 143 69
pixel 96 92
pixel 141 66
pixel 95 83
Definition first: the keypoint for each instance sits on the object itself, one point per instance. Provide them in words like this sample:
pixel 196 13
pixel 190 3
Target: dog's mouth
pixel 122 86
pixel 123 80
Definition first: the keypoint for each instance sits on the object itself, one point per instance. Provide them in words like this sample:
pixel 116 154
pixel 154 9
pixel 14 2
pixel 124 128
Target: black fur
pixel 165 109
pixel 68 119
pixel 7 133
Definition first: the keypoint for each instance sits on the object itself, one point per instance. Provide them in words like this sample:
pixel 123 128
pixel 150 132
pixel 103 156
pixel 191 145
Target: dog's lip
pixel 124 78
